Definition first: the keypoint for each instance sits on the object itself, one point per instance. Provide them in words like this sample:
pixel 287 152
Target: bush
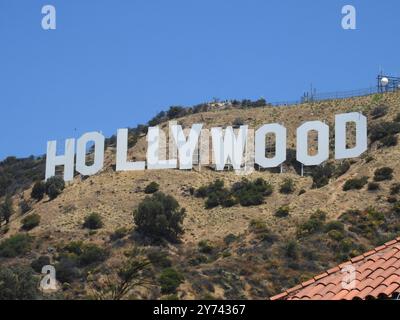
pixel 389 141
pixel 92 254
pixel 152 187
pixel 38 190
pixel 67 270
pixel 245 192
pixel 322 174
pixel 93 221
pixel 205 246
pixel 355 184
pixel 395 189
pixel 230 238
pixel 6 210
pixel 383 129
pixel 287 186
pixel 313 225
pixel 383 174
pixel 292 249
pixel 84 254
pixel 238 122
pixel 24 206
pixel 373 186
pixel 169 280
pixel 379 112
pixel 17 283
pixel 15 246
pixel 39 263
pixel 30 222
pixel 251 193
pixel 334 225
pixel 119 234
pixel 260 228
pixel 282 212
pixel 159 258
pixel 54 187
pixel 160 217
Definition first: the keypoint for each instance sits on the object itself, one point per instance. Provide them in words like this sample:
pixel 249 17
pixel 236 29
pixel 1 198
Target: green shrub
pixel 334 225
pixel 169 280
pixel 119 234
pixel 383 129
pixel 54 187
pixel 17 283
pixel 383 174
pixel 15 246
pixel 336 235
pixel 355 184
pixel 24 206
pixel 38 190
pixel 205 246
pixel 160 217
pixel 67 270
pixel 379 112
pixel 291 249
pixel 322 174
pixel 251 193
pixel 159 258
pixel 30 222
pixel 282 212
pixel 39 263
pixel 92 254
pixel 287 186
pixel 93 221
pixel 84 254
pixel 230 238
pixel 395 189
pixel 256 225
pixel 245 192
pixel 152 187
pixel 212 201
pixel 6 210
pixel 261 230
pixel 373 186
pixel 313 225
pixel 389 141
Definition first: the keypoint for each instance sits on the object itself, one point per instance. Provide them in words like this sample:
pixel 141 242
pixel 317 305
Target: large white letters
pixel 280 145
pixel 122 151
pixel 67 160
pixel 341 120
pixel 228 147
pixel 302 143
pixel 186 147
pixel 98 160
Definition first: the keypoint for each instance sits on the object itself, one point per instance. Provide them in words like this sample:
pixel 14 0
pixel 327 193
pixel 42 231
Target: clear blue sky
pixel 115 63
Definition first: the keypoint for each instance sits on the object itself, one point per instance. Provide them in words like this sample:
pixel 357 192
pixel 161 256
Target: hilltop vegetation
pixel 176 234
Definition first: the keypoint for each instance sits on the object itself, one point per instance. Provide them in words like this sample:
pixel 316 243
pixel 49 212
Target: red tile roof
pixel 376 274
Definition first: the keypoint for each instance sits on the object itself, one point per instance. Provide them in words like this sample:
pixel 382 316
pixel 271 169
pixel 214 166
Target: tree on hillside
pixel 130 275
pixel 54 186
pixel 38 190
pixel 17 283
pixel 160 217
pixel 6 210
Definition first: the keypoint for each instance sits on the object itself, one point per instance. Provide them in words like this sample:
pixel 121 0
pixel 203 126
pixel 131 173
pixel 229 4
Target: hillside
pixel 228 252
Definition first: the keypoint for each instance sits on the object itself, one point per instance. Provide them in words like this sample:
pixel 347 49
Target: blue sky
pixel 116 63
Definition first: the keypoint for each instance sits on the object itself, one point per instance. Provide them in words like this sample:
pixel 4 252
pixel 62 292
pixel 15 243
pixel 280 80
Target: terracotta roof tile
pixel 377 275
pixel 392 279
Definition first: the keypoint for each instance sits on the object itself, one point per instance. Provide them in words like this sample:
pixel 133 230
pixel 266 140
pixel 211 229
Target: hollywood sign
pixel 237 148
